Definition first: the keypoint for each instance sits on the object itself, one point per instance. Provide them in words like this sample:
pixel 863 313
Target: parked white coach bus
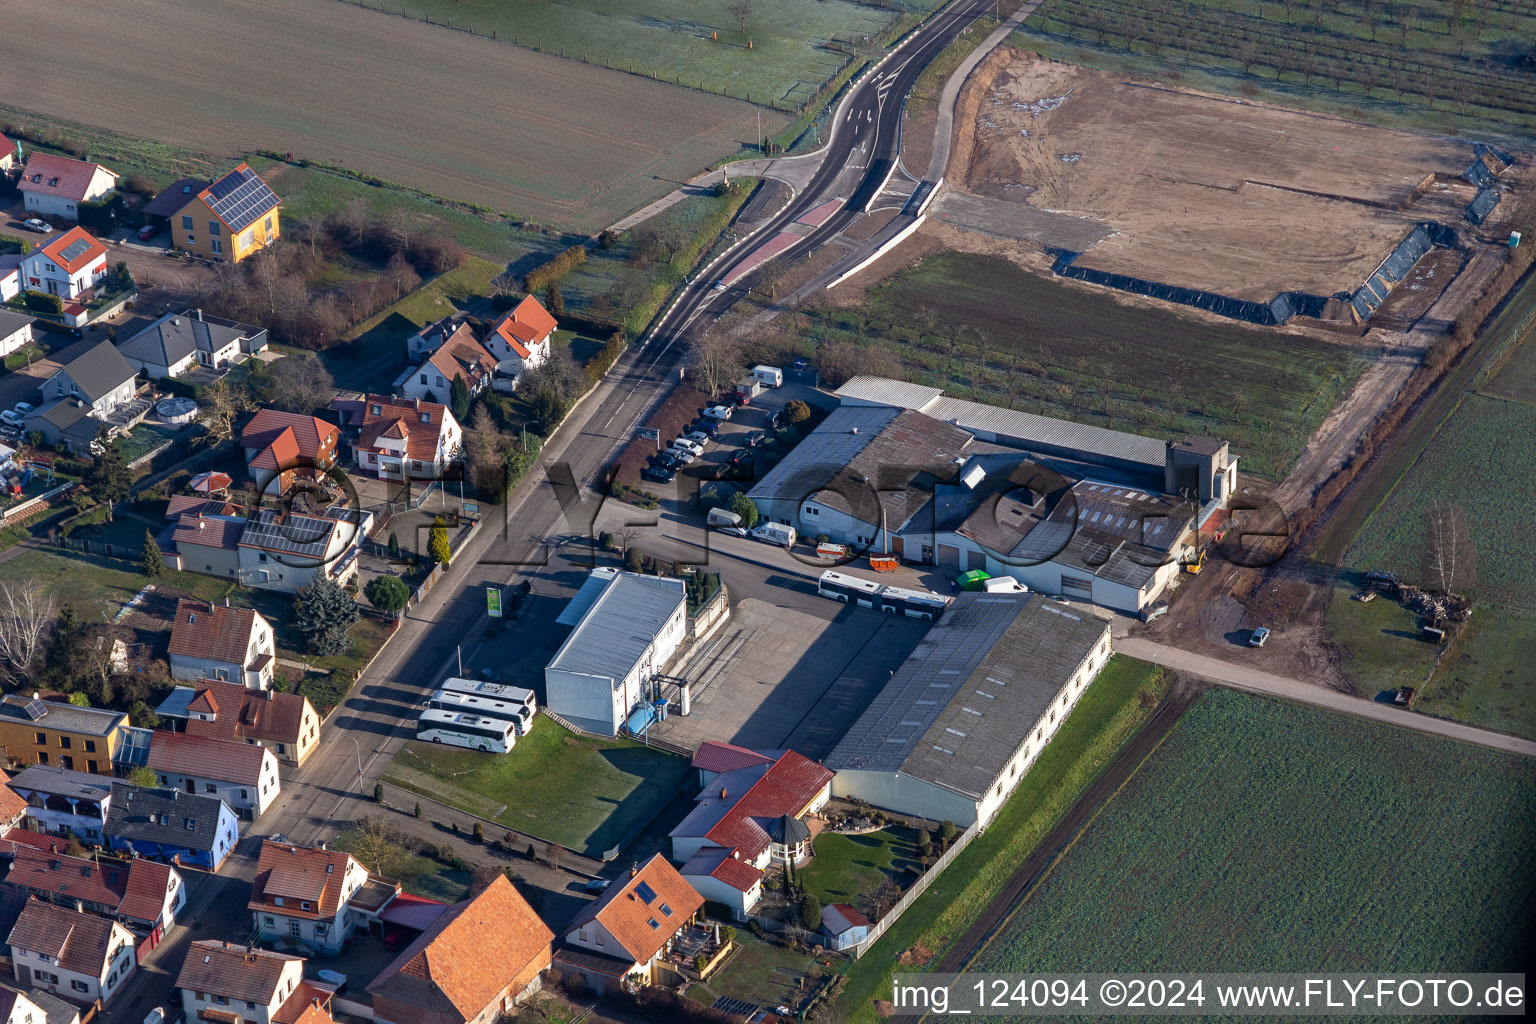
pixel 519 714
pixel 461 729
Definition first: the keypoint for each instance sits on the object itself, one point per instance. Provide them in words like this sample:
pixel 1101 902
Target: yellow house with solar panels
pixel 35 731
pixel 230 219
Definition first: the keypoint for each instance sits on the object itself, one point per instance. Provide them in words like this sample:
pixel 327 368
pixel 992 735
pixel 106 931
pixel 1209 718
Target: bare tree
pixel 623 537
pixel 716 358
pixel 741 10
pixel 1450 559
pixel 378 847
pixel 485 453
pixel 27 609
pixel 224 405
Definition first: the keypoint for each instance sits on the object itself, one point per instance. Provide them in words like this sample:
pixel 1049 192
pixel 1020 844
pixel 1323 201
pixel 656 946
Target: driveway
pixel 1258 681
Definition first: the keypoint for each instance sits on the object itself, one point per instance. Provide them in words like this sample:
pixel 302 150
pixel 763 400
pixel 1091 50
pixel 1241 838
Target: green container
pixel 974 580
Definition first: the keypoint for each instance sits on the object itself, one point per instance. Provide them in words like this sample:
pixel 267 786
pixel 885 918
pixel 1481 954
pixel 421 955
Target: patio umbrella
pixel 207 483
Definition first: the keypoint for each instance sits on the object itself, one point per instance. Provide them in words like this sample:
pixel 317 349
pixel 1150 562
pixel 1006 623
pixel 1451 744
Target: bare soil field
pixel 533 135
pixel 1227 196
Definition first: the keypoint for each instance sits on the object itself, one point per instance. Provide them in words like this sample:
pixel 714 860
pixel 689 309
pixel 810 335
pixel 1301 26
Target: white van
pixel 771 376
pixel 775 533
pixel 726 521
pixel 1003 585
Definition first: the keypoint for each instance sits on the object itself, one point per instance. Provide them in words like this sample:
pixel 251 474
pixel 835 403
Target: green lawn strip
pixel 420 876
pixel 1266 835
pixel 98 586
pixel 1468 462
pixel 1076 353
pixel 1106 716
pixel 757 972
pixel 848 868
pixel 1486 676
pixel 1381 644
pixel 584 793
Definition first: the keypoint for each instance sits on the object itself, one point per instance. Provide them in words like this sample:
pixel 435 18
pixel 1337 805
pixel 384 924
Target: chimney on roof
pixel 634 868
pixel 722 793
pixel 79 906
pixel 199 314
pixel 417 403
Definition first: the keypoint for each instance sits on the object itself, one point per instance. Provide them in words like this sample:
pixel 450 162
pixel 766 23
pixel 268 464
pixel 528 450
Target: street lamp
pixel 357 747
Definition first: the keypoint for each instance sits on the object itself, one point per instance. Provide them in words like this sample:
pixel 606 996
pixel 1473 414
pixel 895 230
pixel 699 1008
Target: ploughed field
pixel 462 117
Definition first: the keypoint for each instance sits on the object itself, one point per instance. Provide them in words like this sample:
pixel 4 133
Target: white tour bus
pixel 465 730
pixel 520 715
pixel 848 589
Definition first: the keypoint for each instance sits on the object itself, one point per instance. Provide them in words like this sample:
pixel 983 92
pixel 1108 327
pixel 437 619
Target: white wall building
pixel 958 725
pixel 65 267
pixel 82 957
pixel 55 186
pixel 243 775
pixel 628 627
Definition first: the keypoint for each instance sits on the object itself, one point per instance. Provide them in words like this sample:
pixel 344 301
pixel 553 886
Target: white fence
pixel 918 888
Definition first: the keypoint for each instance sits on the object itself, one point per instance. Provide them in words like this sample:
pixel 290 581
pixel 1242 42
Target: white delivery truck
pixel 771 376
pixel 726 521
pixel 775 533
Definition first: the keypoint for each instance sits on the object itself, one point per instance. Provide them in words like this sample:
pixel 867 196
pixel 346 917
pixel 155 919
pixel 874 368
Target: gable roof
pixel 786 788
pixel 239 972
pixel 838 918
pixel 66 177
pixel 74 250
pixel 161 816
pixel 655 893
pixel 176 753
pixel 719 863
pixel 244 714
pixel 148 884
pixel 179 194
pixel 12 804
pixel 402 418
pixel 719 757
pixel 472 952
pixel 69 877
pixel 176 336
pixel 308 537
pixel 240 198
pixel 208 531
pixel 55 1010
pixel 308 433
pixel 78 941
pixel 525 325
pixel 214 631
pixel 465 358
pixel 298 875
pixel 99 370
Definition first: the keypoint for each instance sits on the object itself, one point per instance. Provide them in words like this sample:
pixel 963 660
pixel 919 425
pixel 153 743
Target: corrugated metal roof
pixel 1028 429
pixel 620 624
pixel 597 582
pixel 846 432
pixel 885 391
pixel 962 703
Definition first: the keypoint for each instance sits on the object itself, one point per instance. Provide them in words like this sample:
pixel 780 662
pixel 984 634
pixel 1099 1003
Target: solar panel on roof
pixel 35 709
pixel 645 892
pixel 75 249
pixel 239 198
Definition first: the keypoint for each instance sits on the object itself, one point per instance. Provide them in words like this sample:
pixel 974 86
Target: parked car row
pixel 15 415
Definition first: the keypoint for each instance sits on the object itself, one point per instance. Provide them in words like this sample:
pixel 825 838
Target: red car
pixel 147 232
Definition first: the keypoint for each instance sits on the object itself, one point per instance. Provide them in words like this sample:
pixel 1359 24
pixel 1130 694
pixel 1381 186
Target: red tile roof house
pixel 67 266
pixel 82 957
pixel 55 186
pixel 215 641
pixel 627 931
pixel 285 723
pixel 8 157
pixel 208 542
pixel 461 357
pixel 142 894
pixel 401 438
pixel 476 961
pixel 242 775
pixel 314 898
pixel 520 340
pixel 286 446
pixel 34 1007
pixel 224 983
pixel 749 815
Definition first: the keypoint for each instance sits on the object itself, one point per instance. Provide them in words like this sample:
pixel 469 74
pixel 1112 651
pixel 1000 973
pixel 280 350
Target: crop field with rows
pixel 1473 64
pixel 1263 836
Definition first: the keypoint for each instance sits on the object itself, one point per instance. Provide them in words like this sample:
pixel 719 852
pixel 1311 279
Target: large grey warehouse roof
pixel 1028 430
pixel 620 624
pixel 884 391
pixel 962 703
pixel 846 432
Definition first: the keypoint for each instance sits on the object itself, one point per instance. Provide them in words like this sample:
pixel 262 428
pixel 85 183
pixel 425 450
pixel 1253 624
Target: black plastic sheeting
pixel 1479 174
pixel 1498 154
pixel 1282 307
pixel 1424 236
pixel 1479 208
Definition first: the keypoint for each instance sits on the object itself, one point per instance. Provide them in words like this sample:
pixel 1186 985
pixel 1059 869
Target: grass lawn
pixel 1066 351
pixel 758 972
pixel 1380 641
pixel 100 587
pixel 584 793
pixel 421 876
pixel 1485 677
pixel 324 691
pixel 146 438
pixel 28 354
pixel 1112 710
pixel 1265 836
pixel 848 869
pixel 674 40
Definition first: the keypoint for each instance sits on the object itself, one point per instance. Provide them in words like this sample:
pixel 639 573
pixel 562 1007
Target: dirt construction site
pixel 1204 192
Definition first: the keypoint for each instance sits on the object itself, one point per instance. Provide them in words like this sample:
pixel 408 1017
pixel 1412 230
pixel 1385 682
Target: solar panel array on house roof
pixel 79 247
pixel 240 197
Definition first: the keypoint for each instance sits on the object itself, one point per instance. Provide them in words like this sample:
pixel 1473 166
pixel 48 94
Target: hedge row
pixel 539 278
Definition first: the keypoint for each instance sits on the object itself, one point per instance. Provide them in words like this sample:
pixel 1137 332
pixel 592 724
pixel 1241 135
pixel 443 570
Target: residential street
pixel 1258 681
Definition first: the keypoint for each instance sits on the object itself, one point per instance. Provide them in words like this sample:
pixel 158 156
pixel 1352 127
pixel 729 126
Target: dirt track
pixel 1233 197
pixel 456 115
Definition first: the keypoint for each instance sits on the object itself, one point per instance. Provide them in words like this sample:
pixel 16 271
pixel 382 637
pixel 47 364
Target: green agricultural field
pixel 587 794
pixel 981 326
pixel 1516 379
pixel 1485 677
pixel 1380 643
pixel 1435 63
pixel 1475 461
pixel 796 45
pixel 1263 836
